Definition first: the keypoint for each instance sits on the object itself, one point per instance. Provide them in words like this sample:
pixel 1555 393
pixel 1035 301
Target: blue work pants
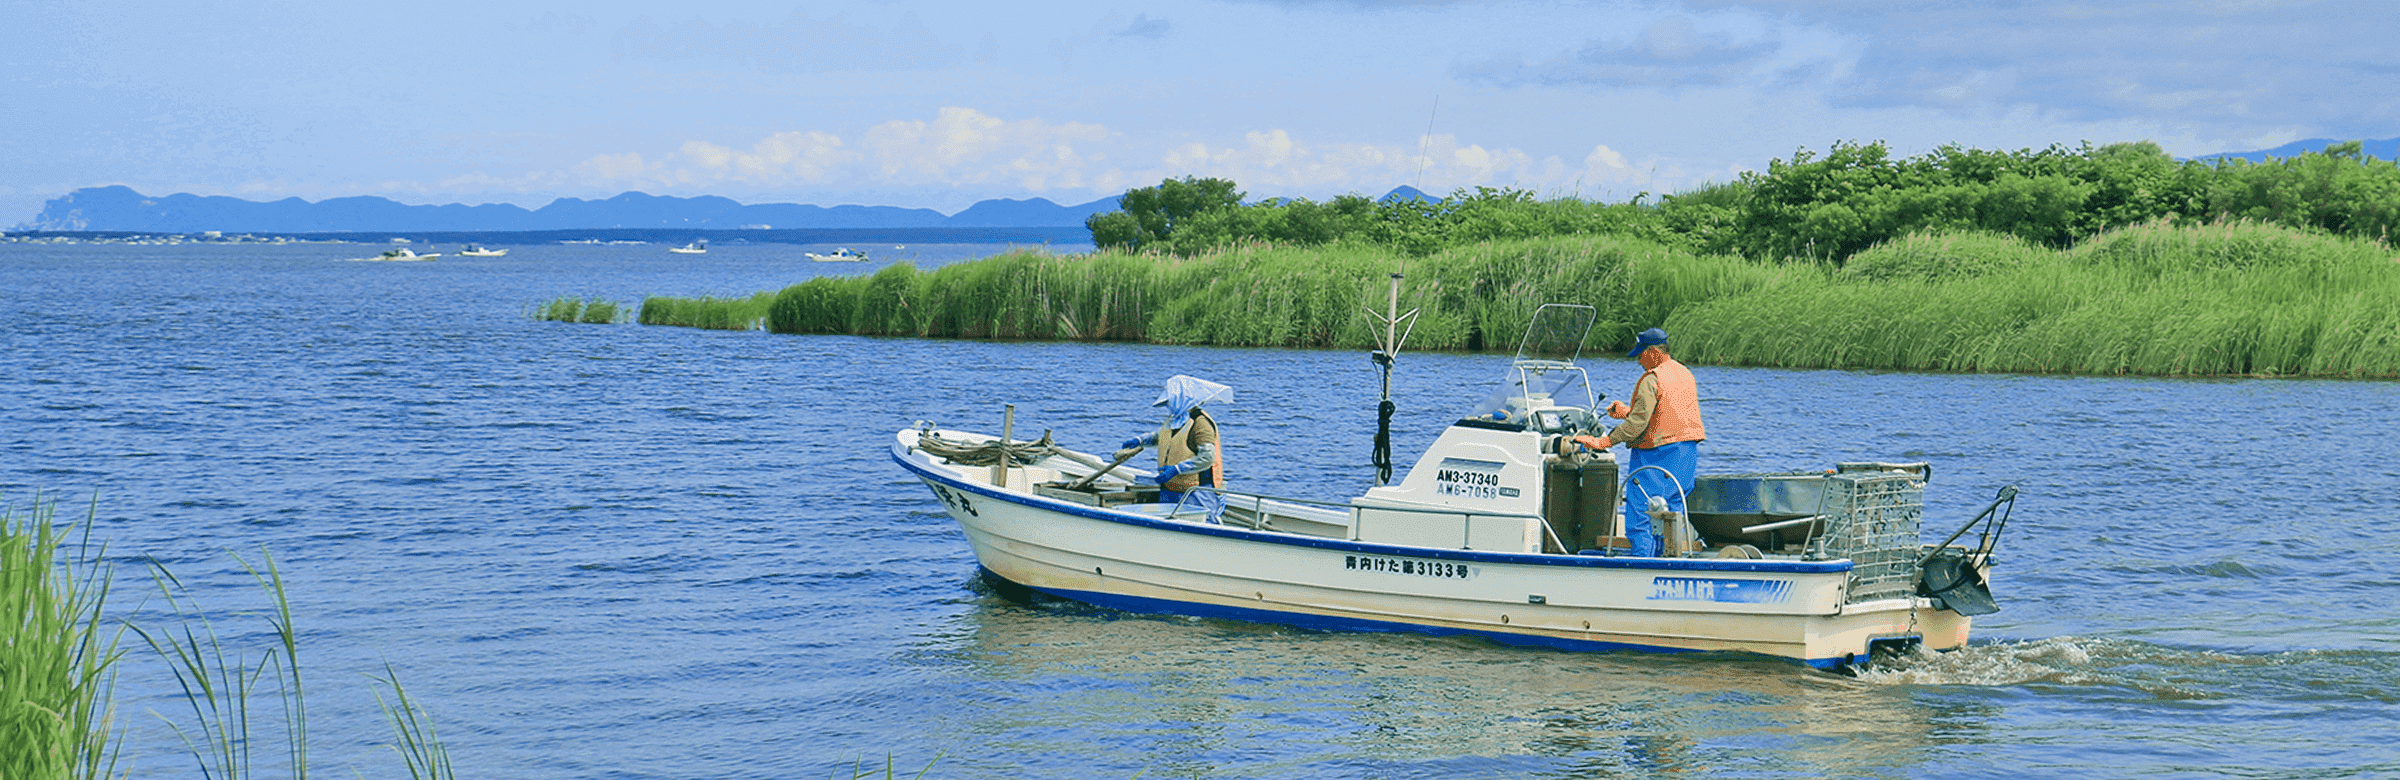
pixel 1681 459
pixel 1207 500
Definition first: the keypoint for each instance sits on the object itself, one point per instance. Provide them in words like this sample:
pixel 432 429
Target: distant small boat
pixel 694 248
pixel 404 253
pixel 477 250
pixel 842 255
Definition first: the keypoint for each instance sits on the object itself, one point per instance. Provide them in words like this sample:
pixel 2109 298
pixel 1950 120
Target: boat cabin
pixel 1509 475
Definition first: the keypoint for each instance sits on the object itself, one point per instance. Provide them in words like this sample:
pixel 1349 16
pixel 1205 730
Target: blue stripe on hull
pixel 1312 622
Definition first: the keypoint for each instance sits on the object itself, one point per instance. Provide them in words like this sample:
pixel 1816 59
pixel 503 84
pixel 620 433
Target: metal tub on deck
pixel 1722 505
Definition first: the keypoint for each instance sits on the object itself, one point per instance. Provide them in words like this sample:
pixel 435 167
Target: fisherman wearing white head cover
pixel 1189 452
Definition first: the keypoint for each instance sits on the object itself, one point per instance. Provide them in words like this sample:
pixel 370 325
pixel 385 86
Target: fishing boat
pixel 478 250
pixel 842 255
pixel 694 248
pixel 404 254
pixel 1507 528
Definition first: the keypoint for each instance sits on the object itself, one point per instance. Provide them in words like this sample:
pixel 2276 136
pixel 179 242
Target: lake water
pixel 617 551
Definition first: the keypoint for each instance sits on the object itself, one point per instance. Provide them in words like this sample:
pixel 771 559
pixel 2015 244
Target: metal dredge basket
pixel 1873 519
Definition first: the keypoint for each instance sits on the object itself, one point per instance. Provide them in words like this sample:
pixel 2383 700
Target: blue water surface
pixel 621 551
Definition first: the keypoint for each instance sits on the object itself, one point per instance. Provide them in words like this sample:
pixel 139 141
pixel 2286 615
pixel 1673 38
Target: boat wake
pixel 2157 672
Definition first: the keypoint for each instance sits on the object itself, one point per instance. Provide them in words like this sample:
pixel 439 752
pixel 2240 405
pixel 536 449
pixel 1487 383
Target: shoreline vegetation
pixel 60 644
pixel 2110 261
pixel 573 309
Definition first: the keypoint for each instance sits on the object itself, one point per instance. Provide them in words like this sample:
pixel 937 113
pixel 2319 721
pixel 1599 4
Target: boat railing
pixel 1259 514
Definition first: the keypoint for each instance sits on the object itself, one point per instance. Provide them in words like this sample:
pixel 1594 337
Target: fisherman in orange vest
pixel 1190 455
pixel 1663 429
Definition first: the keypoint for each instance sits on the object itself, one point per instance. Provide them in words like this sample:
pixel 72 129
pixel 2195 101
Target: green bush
pixel 1934 256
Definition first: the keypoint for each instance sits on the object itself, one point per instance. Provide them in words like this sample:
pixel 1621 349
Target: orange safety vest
pixel 1175 446
pixel 1677 416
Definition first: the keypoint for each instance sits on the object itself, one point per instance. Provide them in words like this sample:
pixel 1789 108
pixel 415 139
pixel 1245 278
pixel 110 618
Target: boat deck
pixel 1061 474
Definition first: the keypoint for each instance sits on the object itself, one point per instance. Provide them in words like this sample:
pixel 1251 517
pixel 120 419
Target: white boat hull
pixel 1136 559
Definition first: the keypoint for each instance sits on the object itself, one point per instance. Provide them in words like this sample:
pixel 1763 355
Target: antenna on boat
pixel 1424 144
pixel 1393 337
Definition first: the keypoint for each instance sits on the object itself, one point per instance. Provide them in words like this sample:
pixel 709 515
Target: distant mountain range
pixel 2385 149
pixel 120 208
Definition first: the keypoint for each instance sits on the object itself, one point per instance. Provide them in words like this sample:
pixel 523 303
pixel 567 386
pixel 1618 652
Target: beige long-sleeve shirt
pixel 1637 421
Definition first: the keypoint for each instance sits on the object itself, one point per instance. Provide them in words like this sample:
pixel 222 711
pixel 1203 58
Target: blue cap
pixel 1649 338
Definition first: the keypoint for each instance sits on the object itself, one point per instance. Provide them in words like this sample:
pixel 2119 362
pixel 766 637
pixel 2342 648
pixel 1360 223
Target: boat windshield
pixel 1543 387
pixel 1552 395
pixel 1556 333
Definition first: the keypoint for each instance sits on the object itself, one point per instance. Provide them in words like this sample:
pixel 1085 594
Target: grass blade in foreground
pixel 419 747
pixel 56 668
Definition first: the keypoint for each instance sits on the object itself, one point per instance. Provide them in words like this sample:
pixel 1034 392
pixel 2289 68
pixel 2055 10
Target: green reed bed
pixel 1471 297
pixel 57 654
pixel 2158 299
pixel 572 309
pixel 2228 299
pixel 707 312
pixel 1018 295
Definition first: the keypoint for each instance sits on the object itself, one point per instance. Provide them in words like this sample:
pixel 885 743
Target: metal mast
pixel 1393 337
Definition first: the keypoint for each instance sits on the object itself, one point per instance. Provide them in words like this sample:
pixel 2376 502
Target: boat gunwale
pixel 901 454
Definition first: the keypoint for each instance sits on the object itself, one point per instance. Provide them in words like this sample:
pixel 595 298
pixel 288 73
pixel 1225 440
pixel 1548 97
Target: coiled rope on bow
pixel 987 453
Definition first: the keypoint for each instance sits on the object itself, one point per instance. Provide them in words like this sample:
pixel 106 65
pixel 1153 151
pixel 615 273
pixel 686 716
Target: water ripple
pixel 621 551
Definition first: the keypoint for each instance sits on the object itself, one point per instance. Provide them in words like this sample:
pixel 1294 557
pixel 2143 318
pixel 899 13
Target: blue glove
pixel 1132 443
pixel 1168 472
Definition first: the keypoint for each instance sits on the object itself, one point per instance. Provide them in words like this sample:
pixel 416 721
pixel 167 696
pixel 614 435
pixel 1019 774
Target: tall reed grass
pixel 707 312
pixel 1472 297
pixel 220 683
pixel 57 656
pixel 572 309
pixel 2205 300
pixel 58 661
pixel 420 748
pixel 2168 299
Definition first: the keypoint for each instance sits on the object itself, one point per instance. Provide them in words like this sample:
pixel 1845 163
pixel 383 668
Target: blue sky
pixel 940 104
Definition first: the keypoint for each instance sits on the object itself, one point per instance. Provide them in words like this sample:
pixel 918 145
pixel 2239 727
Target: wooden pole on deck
pixel 1008 427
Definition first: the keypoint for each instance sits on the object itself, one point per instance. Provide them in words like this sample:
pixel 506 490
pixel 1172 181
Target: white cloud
pixel 966 150
pixel 966 146
pixel 1603 158
pixel 959 147
pixel 796 157
pixel 1273 163
pixel 612 167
